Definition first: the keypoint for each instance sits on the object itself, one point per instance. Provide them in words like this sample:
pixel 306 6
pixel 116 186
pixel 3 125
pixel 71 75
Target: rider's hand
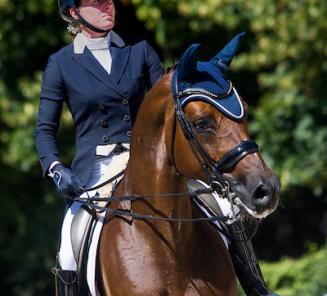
pixel 66 182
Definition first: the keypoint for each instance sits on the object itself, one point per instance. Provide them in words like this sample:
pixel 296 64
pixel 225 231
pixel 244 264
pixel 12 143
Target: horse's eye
pixel 201 124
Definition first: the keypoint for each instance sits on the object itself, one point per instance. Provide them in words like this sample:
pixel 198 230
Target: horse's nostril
pixel 260 192
pixel 261 195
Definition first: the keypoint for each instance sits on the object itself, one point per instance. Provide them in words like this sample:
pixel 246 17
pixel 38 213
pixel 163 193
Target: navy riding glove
pixel 66 182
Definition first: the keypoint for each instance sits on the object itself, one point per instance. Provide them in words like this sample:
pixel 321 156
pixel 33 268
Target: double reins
pixel 92 202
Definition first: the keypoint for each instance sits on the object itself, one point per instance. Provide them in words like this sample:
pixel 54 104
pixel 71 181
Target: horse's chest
pixel 154 271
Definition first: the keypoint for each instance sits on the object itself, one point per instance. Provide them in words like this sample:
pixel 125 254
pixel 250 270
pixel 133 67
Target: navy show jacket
pixel 103 106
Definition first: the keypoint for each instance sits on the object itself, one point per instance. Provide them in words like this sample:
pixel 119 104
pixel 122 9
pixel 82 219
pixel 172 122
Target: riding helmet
pixel 64 6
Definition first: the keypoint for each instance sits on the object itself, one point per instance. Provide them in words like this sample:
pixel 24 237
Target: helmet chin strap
pixel 85 23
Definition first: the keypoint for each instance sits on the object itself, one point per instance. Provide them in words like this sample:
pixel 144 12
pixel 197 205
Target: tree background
pixel 281 72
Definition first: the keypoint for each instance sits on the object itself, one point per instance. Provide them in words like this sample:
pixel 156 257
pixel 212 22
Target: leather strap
pixel 82 21
pixel 235 155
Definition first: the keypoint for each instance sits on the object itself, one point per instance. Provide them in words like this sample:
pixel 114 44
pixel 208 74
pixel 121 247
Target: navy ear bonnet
pixel 205 81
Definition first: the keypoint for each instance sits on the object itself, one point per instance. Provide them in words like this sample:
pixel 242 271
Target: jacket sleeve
pixel 51 103
pixel 155 69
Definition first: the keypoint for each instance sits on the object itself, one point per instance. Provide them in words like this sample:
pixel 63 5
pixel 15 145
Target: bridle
pixel 214 170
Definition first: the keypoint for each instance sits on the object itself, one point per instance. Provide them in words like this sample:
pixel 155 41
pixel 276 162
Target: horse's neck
pixel 150 173
pixel 144 178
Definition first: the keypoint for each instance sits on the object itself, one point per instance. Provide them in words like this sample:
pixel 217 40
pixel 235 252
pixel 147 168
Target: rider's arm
pixel 154 66
pixel 51 103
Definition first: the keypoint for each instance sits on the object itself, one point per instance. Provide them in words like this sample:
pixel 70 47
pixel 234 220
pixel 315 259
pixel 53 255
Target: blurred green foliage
pixel 304 276
pixel 301 277
pixel 281 72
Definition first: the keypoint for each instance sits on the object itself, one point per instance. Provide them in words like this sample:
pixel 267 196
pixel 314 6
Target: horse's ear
pixel 224 58
pixel 187 63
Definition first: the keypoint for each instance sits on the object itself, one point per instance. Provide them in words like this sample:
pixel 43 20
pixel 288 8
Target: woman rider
pixel 102 79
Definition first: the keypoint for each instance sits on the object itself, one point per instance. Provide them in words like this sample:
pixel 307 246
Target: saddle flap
pixel 80 229
pixel 206 198
pixel 213 202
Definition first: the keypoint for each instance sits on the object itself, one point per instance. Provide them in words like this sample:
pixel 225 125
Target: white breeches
pixel 104 168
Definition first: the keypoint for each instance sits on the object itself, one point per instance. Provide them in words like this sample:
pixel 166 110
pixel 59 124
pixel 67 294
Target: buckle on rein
pixel 224 192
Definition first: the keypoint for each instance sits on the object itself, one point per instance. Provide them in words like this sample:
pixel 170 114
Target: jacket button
pixel 126 117
pixel 105 139
pixel 125 102
pixel 101 107
pixel 129 133
pixel 104 123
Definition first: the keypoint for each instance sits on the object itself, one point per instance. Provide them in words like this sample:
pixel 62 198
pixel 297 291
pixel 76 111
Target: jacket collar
pixel 112 39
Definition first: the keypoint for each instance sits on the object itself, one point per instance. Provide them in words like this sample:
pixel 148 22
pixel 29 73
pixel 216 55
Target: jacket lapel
pixel 120 57
pixel 90 63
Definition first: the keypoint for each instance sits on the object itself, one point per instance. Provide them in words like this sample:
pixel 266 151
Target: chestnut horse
pixel 144 257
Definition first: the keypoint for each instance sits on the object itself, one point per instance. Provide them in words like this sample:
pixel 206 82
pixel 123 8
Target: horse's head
pixel 213 132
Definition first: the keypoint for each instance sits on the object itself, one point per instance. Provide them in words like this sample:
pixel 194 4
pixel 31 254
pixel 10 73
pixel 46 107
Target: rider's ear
pixel 73 13
pixel 187 63
pixel 224 58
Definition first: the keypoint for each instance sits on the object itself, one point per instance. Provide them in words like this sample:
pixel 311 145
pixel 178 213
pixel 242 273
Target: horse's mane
pixel 171 68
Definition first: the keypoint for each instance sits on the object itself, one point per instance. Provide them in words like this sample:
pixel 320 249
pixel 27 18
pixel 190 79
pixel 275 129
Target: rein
pixel 91 202
pixel 104 183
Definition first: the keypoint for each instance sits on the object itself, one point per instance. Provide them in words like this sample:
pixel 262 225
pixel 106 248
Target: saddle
pixel 86 229
pixel 82 228
pixel 85 233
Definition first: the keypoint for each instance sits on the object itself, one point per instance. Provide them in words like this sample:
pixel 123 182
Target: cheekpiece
pixel 196 80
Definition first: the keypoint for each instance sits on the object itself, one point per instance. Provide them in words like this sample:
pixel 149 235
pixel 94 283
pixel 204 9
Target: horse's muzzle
pixel 258 199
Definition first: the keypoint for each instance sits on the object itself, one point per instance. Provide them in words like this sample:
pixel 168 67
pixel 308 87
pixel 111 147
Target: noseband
pixel 213 169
